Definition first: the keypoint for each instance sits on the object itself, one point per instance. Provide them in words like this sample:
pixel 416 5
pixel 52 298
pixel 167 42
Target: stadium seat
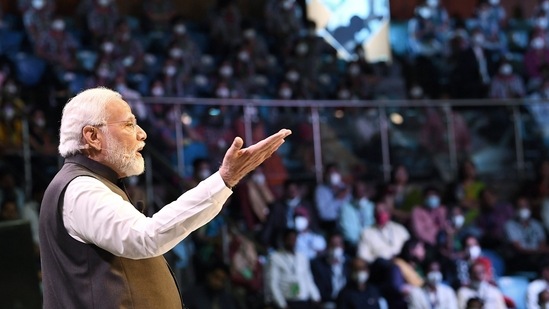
pixel 398 36
pixel 514 288
pixel 29 68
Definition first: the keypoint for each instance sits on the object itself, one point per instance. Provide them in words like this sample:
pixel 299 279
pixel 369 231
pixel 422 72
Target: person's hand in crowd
pixel 238 161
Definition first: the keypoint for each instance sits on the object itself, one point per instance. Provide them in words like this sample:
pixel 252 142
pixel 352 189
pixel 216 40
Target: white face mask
pixel 180 29
pixel 425 12
pixel 494 2
pixel 259 178
pixel 432 3
pixel 38 4
pixel 432 201
pixel 58 25
pixel 170 70
pixel 524 213
pixel 474 252
pixel 335 179
pixel 336 253
pixel 506 69
pixel 108 47
pixel 538 43
pixel 104 2
pixel 301 223
pixel 223 93
pixel 204 173
pixel 176 53
pixel 9 112
pixel 292 76
pixel 478 39
pixel 226 71
pixel 285 93
pixel 434 277
pixel 157 91
pixel 361 277
pixel 458 221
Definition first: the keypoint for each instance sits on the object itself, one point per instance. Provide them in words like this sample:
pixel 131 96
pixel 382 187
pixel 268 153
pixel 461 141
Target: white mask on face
pixel 108 47
pixel 259 178
pixel 524 213
pixel 336 253
pixel 292 76
pixel 432 201
pixel 285 93
pixel 361 277
pixel 425 12
pixel 9 112
pixel 434 277
pixel 223 92
pixel 157 91
pixel 58 25
pixel 180 29
pixel 204 173
pixel 38 4
pixel 432 3
pixel 478 39
pixel 226 71
pixel 494 2
pixel 170 70
pixel 474 252
pixel 335 179
pixel 244 56
pixel 506 69
pixel 538 43
pixel 458 221
pixel 176 53
pixel 301 223
pixel 104 3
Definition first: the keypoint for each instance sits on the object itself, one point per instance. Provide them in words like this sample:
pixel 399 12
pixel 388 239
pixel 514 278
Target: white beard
pixel 123 160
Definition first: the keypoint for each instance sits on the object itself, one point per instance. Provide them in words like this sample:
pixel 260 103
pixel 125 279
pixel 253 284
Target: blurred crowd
pixel 351 241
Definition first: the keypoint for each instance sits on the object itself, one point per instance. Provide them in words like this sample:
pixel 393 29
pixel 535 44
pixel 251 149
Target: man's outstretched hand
pixel 238 161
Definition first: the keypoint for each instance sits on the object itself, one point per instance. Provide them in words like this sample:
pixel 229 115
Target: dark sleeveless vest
pixel 78 275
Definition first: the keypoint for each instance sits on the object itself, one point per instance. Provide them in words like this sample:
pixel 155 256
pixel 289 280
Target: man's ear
pixel 91 137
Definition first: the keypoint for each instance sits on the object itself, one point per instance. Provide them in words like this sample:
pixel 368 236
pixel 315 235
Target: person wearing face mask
pixel 359 292
pixel 357 214
pixel 428 219
pixel 282 213
pixel 493 214
pixel 59 48
pixel 255 197
pixel 290 281
pixel 534 297
pixel 385 238
pixel 330 197
pixel 526 236
pixel 37 18
pixel 100 18
pixel 506 84
pixel 473 69
pixel 330 270
pixel 535 57
pixel 309 242
pixel 481 288
pixel 434 294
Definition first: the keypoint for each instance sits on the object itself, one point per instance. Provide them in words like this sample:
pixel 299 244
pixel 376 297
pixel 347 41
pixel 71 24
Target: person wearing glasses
pixel 97 249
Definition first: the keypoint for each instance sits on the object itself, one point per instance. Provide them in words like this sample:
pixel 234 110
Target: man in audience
pixel 481 288
pixel 384 239
pixel 359 292
pixel 290 282
pixel 526 237
pixel 537 286
pixel 330 270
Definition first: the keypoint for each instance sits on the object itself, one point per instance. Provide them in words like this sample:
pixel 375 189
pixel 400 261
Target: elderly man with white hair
pixel 97 249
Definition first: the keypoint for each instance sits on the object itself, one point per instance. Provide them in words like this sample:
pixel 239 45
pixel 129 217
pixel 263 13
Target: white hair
pixel 89 107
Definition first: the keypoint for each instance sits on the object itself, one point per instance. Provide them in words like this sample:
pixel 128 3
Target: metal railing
pixel 505 139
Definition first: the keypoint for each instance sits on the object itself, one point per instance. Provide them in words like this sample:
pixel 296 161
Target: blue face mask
pixel 432 201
